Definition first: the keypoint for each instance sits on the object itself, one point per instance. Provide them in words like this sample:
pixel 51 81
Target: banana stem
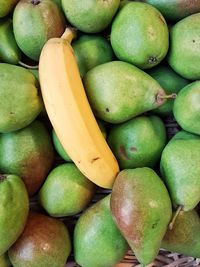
pixel 69 34
pixel 172 96
pixel 171 225
pixel 27 66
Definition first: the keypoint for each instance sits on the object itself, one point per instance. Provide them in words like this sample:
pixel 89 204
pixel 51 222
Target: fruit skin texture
pixel 14 210
pixel 90 16
pixel 171 82
pixel 181 170
pixel 45 242
pixel 184 237
pixel 188 118
pixel 184 54
pixel 91 51
pixel 9 51
pixel 4 261
pixel 27 153
pixel 142 42
pixel 138 142
pixel 175 9
pixel 141 208
pixel 20 101
pixel 96 234
pixel 66 191
pixel 34 24
pixel 118 91
pixel 6 7
pixel 71 115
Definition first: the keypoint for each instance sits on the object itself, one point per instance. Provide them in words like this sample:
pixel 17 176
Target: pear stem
pixel 171 225
pixel 69 34
pixel 27 66
pixel 172 96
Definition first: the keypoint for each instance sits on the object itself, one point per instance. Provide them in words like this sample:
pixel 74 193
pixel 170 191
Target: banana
pixel 70 113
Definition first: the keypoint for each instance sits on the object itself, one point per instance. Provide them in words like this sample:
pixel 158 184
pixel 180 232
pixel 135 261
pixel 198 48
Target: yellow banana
pixel 70 113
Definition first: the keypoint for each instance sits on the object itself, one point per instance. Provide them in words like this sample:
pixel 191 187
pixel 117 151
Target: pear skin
pixel 118 91
pixel 184 238
pixel 181 170
pixel 97 236
pixel 141 208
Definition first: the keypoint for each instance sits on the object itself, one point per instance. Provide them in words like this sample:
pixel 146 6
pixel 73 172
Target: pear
pixel 119 91
pixel 44 242
pixel 63 187
pixel 141 207
pixel 97 240
pixel 91 51
pixel 184 53
pixel 181 169
pixel 90 16
pixel 188 118
pixel 14 210
pixel 184 238
pixel 138 142
pixel 140 35
pixel 9 51
pixel 35 22
pixel 28 153
pixel 20 101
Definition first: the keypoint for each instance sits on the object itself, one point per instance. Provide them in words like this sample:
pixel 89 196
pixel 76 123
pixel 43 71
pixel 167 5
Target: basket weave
pixel 164 258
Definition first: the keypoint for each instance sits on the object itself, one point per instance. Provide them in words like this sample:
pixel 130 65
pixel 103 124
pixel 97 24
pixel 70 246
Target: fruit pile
pixel 83 106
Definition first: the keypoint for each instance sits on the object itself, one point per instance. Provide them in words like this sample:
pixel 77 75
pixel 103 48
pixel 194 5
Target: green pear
pixel 181 169
pixel 6 6
pixel 184 237
pixel 91 51
pixel 20 101
pixel 44 242
pixel 139 35
pixel 184 54
pixel 64 185
pixel 188 118
pixel 35 22
pixel 14 210
pixel 141 207
pixel 119 91
pixel 97 240
pixel 171 82
pixel 176 9
pixel 28 153
pixel 138 142
pixel 4 261
pixel 9 51
pixel 90 16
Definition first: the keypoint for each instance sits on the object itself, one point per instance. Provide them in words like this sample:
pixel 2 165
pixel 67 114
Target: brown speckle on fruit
pixel 123 152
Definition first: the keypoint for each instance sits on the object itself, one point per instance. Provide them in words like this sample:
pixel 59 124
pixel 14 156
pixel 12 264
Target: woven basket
pixel 164 258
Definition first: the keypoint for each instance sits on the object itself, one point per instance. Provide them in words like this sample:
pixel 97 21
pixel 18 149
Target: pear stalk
pixel 171 225
pixel 27 66
pixel 171 96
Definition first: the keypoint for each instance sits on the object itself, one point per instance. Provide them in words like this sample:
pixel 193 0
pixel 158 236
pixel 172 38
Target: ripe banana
pixel 70 113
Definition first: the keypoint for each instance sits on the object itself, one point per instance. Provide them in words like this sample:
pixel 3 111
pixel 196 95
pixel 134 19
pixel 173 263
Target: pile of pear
pixel 140 64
